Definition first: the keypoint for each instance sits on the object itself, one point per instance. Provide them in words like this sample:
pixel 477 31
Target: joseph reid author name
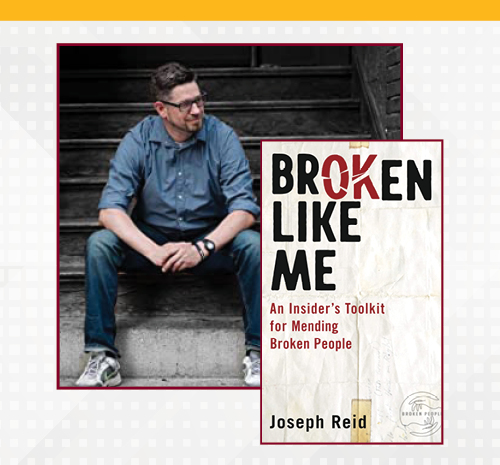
pixel 336 421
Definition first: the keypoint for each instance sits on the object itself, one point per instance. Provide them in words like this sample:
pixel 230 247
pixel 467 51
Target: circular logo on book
pixel 420 414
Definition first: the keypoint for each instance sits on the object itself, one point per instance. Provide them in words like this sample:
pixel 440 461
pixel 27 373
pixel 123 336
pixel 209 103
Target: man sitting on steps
pixel 195 205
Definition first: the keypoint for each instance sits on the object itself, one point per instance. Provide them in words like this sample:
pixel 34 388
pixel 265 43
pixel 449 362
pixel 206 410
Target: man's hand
pixel 179 256
pixel 158 255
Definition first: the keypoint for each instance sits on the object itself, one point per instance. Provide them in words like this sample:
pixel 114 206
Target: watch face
pixel 209 245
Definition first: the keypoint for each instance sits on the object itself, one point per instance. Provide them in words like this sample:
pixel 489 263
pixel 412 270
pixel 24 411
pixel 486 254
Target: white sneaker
pixel 251 369
pixel 101 371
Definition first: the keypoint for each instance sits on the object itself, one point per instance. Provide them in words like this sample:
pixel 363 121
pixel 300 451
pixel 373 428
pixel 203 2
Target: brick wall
pixel 381 69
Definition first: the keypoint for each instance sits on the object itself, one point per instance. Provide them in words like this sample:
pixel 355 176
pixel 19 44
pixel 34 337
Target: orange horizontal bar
pixel 259 10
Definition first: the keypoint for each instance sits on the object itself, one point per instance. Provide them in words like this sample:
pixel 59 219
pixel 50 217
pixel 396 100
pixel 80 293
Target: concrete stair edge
pixel 167 383
pixel 245 140
pixel 100 181
pixel 161 346
pixel 239 105
pixel 91 224
pixel 74 268
pixel 230 72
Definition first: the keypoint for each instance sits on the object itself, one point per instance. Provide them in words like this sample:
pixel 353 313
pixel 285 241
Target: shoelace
pixel 255 367
pixel 94 365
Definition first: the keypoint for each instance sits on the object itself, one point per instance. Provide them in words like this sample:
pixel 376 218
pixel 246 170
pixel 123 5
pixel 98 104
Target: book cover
pixel 352 292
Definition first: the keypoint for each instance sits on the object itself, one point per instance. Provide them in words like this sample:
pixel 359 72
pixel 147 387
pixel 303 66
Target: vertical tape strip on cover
pixel 361 420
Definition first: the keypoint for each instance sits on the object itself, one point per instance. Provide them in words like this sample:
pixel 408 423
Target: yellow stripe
pixel 259 10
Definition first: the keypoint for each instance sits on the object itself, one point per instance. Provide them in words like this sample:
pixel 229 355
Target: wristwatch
pixel 209 245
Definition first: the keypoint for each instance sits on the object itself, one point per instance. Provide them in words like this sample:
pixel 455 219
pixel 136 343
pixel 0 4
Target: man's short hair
pixel 168 76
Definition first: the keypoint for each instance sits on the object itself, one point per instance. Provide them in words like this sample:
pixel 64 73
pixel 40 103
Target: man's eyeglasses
pixel 186 105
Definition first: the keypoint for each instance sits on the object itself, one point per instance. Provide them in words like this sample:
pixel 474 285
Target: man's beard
pixel 194 125
pixel 186 127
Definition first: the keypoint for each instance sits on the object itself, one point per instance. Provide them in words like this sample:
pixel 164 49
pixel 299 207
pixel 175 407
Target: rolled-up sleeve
pixel 236 180
pixel 125 174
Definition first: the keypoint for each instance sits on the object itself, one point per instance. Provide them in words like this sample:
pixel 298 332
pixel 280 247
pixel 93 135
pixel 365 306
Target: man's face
pixel 182 125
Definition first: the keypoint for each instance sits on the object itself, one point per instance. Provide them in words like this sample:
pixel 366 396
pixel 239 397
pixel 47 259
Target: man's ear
pixel 160 109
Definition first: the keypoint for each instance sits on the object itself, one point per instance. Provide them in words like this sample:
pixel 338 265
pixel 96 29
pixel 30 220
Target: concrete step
pixel 149 295
pixel 169 383
pixel 221 84
pixel 199 56
pixel 169 326
pixel 90 157
pixel 73 236
pixel 258 118
pixel 198 346
pixel 79 197
pixel 152 56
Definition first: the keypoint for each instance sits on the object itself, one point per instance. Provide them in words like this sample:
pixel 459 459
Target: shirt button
pixel 180 196
pixel 180 173
pixel 180 218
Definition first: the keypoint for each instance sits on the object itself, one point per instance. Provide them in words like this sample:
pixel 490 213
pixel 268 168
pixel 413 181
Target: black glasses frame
pixel 188 104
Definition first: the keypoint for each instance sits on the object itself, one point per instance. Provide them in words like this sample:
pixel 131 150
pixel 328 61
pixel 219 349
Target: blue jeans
pixel 106 254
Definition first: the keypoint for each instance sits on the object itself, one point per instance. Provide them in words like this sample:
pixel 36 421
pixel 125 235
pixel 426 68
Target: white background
pixel 451 91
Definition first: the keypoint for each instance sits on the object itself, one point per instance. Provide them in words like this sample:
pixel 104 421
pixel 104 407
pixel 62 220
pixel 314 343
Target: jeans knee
pixel 102 243
pixel 248 243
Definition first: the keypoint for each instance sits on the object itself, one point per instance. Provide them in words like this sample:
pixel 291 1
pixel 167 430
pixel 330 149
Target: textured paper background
pixel 397 262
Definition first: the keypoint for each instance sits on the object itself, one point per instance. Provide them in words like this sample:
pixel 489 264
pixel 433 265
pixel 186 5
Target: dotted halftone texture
pixel 451 91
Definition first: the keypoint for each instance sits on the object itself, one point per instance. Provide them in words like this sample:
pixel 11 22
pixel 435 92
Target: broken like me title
pixel 311 176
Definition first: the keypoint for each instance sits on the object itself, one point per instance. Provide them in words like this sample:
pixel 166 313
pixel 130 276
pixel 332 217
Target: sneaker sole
pixel 112 382
pixel 115 381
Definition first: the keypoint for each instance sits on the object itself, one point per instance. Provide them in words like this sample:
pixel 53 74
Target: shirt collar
pixel 160 134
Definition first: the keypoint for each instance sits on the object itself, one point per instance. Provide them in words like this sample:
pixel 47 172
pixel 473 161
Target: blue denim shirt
pixel 184 188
